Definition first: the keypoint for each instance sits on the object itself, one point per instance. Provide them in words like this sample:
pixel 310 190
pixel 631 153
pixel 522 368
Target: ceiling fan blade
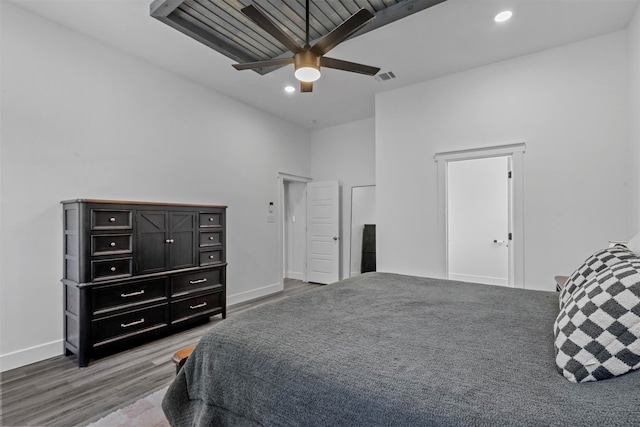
pixel 342 32
pixel 267 24
pixel 263 64
pixel 306 86
pixel 339 64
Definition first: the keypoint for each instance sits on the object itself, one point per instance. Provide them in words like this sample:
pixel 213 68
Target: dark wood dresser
pixel 135 270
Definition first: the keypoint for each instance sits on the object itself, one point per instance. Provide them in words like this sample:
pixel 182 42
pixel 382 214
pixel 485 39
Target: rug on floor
pixel 146 412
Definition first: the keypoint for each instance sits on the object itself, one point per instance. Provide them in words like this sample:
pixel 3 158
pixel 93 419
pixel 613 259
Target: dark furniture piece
pixel 384 349
pixel 133 270
pixel 180 357
pixel 368 249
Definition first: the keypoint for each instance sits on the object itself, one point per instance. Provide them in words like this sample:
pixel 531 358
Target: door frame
pixel 282 178
pixel 516 248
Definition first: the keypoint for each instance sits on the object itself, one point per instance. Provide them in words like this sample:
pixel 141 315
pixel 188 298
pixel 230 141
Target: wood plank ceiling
pixel 221 25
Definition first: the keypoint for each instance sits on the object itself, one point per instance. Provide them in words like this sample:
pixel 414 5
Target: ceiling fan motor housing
pixel 307 65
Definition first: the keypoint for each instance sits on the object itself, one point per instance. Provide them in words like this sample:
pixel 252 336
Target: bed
pixel 393 350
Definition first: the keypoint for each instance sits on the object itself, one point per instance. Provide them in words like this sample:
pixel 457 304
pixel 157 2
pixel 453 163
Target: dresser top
pixel 124 202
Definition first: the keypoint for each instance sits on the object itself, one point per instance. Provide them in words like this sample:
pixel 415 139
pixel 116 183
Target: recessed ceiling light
pixel 289 89
pixel 505 15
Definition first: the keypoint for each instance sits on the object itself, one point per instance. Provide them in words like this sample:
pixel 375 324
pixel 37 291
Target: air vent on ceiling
pixel 383 77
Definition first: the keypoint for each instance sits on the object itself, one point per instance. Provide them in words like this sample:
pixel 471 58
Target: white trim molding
pixel 296 275
pixel 253 294
pixel 516 152
pixel 30 355
pixel 478 153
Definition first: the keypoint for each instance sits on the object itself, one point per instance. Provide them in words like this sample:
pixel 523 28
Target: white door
pixel 323 224
pixel 478 212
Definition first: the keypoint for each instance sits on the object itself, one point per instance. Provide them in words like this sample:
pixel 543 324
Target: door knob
pixel 335 238
pixel 498 241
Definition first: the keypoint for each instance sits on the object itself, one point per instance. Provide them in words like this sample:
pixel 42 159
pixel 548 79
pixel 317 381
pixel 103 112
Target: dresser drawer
pixel 106 298
pixel 196 282
pixel 131 323
pixel 110 244
pixel 211 219
pixel 110 219
pixel 211 257
pixel 193 307
pixel 210 238
pixel 110 269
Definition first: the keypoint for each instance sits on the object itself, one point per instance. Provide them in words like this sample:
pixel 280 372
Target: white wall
pixel 633 38
pixel 345 153
pixel 568 104
pixel 81 120
pixel 295 234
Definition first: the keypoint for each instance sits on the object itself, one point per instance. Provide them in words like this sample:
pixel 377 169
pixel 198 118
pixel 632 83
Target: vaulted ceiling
pixel 446 38
pixel 221 25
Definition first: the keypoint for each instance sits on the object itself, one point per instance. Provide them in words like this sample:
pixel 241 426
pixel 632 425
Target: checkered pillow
pixel 594 264
pixel 598 330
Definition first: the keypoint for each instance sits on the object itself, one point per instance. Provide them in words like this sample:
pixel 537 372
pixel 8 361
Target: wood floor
pixel 55 392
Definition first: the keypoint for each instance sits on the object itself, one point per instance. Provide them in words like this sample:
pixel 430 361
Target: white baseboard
pixel 30 355
pixel 253 294
pixel 500 281
pixel 294 275
pixel 37 353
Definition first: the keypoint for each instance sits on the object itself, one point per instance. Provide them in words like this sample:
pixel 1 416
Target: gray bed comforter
pixel 392 350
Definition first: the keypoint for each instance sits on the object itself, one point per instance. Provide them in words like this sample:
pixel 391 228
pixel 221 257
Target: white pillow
pixel 634 244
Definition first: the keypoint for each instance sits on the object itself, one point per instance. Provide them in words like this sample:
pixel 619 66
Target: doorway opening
pixel 363 217
pixel 480 210
pixel 295 212
pixel 292 224
pixel 313 207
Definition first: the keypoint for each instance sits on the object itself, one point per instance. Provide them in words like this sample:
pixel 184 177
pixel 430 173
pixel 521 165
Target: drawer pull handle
pixel 211 257
pixel 112 219
pixel 211 219
pixel 112 244
pixel 169 240
pixel 113 269
pixel 132 294
pixel 137 322
pixel 210 237
pixel 195 282
pixel 193 307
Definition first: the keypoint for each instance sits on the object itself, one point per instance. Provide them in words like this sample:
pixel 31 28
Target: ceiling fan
pixel 307 59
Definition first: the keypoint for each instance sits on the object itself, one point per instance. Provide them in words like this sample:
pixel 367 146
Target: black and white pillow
pixel 593 265
pixel 598 329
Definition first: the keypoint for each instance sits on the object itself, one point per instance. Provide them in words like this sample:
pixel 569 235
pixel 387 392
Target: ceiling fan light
pixel 307 74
